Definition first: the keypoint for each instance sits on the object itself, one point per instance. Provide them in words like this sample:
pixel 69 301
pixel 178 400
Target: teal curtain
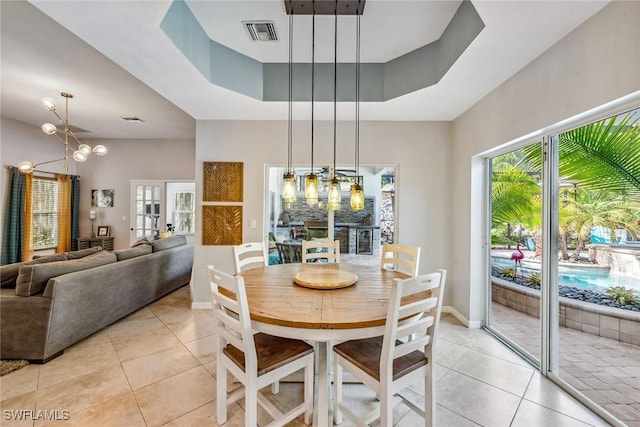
pixel 13 228
pixel 75 211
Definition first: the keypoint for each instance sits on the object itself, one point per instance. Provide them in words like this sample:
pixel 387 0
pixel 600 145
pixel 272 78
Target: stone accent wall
pixel 300 211
pixel 613 323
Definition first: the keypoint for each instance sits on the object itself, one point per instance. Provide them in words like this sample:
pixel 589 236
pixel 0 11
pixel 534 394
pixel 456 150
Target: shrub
pixel 622 295
pixel 508 272
pixel 534 279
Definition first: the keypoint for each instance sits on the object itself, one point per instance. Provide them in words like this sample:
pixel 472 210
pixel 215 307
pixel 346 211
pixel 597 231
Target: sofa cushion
pixel 127 253
pixel 33 278
pixel 9 272
pixel 168 242
pixel 83 252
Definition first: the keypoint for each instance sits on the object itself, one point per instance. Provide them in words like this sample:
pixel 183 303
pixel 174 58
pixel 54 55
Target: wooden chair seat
pixel 365 354
pixel 273 352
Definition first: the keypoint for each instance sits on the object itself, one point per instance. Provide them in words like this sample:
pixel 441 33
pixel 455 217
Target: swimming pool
pixel 594 278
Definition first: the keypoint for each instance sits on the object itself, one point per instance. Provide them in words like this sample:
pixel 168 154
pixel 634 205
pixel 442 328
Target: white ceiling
pixel 115 59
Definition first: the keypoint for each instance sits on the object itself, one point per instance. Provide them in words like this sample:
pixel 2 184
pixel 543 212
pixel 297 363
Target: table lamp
pixel 92 216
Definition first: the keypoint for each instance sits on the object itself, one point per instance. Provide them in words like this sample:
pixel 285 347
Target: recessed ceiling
pixel 131 68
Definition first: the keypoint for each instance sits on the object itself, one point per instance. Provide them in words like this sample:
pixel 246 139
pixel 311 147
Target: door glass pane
pixel 516 224
pixel 148 212
pixel 598 280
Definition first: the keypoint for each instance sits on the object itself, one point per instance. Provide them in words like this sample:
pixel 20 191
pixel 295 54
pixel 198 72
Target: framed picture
pixel 102 198
pixel 103 230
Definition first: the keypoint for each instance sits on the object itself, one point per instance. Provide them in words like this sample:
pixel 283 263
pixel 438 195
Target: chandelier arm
pixel 55 112
pixel 75 137
pixel 49 161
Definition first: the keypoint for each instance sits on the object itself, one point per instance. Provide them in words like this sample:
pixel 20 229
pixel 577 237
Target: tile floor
pixel 157 367
pixel 605 370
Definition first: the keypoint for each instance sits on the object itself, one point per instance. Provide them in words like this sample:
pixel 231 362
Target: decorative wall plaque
pixel 222 181
pixel 221 225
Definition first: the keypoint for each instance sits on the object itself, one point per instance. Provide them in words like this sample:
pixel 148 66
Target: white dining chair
pixel 315 250
pixel 255 360
pixel 250 255
pixel 401 258
pixel 390 363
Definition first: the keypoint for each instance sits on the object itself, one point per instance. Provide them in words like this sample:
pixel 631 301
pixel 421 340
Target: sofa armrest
pixel 24 325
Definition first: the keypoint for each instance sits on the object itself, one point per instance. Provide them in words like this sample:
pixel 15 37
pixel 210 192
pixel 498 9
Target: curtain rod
pixel 51 173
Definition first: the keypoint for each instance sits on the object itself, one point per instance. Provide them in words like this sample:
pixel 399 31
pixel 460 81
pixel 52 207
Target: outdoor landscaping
pixel 599 206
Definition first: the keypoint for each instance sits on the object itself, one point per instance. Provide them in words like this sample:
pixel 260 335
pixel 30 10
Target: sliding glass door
pixel 565 259
pixel 516 248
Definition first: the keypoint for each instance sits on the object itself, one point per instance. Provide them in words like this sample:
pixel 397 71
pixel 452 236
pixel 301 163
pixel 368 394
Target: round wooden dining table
pixel 279 306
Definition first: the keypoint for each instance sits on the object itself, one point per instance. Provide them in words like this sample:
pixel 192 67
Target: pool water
pixel 594 278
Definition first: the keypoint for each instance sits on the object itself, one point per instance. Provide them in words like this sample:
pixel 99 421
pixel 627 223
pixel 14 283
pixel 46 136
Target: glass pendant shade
pixel 100 150
pixel 311 189
pixel 289 188
pixel 333 202
pixel 49 128
pixel 85 149
pixel 79 156
pixel 49 104
pixel 357 197
pixel 26 167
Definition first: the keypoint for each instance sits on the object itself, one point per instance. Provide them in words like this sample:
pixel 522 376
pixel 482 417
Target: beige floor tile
pixel 206 416
pixel 500 373
pixel 198 325
pixel 121 411
pixel 18 410
pixel 448 353
pixel 490 345
pixel 131 347
pixel 149 369
pixel 132 326
pixel 19 382
pixel 444 417
pixel 530 414
pixel 204 348
pixel 67 367
pixel 543 392
pixel 175 396
pixel 475 400
pixel 84 391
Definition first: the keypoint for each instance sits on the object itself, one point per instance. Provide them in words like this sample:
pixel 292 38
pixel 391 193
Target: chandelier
pixel 79 154
pixel 335 8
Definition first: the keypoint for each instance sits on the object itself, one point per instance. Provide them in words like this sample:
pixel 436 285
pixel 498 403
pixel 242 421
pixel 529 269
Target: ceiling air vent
pixel 261 31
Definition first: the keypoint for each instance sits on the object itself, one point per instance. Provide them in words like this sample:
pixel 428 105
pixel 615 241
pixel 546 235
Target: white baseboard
pixel 476 324
pixel 201 305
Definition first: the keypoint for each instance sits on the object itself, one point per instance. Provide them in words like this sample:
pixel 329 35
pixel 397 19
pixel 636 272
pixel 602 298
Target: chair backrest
pixel 321 249
pixel 401 258
pixel 289 253
pixel 250 253
pixel 231 310
pixel 417 297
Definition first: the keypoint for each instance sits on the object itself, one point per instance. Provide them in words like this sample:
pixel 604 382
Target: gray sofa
pixel 74 305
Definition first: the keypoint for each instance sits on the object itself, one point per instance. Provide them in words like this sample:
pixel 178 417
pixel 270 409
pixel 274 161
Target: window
pixel 44 215
pixel 181 205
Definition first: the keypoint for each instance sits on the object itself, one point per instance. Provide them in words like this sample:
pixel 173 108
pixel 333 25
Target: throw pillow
pixel 83 252
pixel 143 241
pixel 33 278
pixel 168 243
pixel 9 272
pixel 122 254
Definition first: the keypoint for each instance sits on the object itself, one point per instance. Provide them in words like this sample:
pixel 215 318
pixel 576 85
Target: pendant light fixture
pixel 311 180
pixel 357 192
pixel 333 202
pixel 81 154
pixel 288 178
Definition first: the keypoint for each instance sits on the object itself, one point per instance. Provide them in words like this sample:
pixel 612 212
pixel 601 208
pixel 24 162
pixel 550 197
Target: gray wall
pixel 596 63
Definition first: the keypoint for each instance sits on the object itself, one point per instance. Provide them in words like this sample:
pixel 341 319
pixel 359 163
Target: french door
pixel 147 209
